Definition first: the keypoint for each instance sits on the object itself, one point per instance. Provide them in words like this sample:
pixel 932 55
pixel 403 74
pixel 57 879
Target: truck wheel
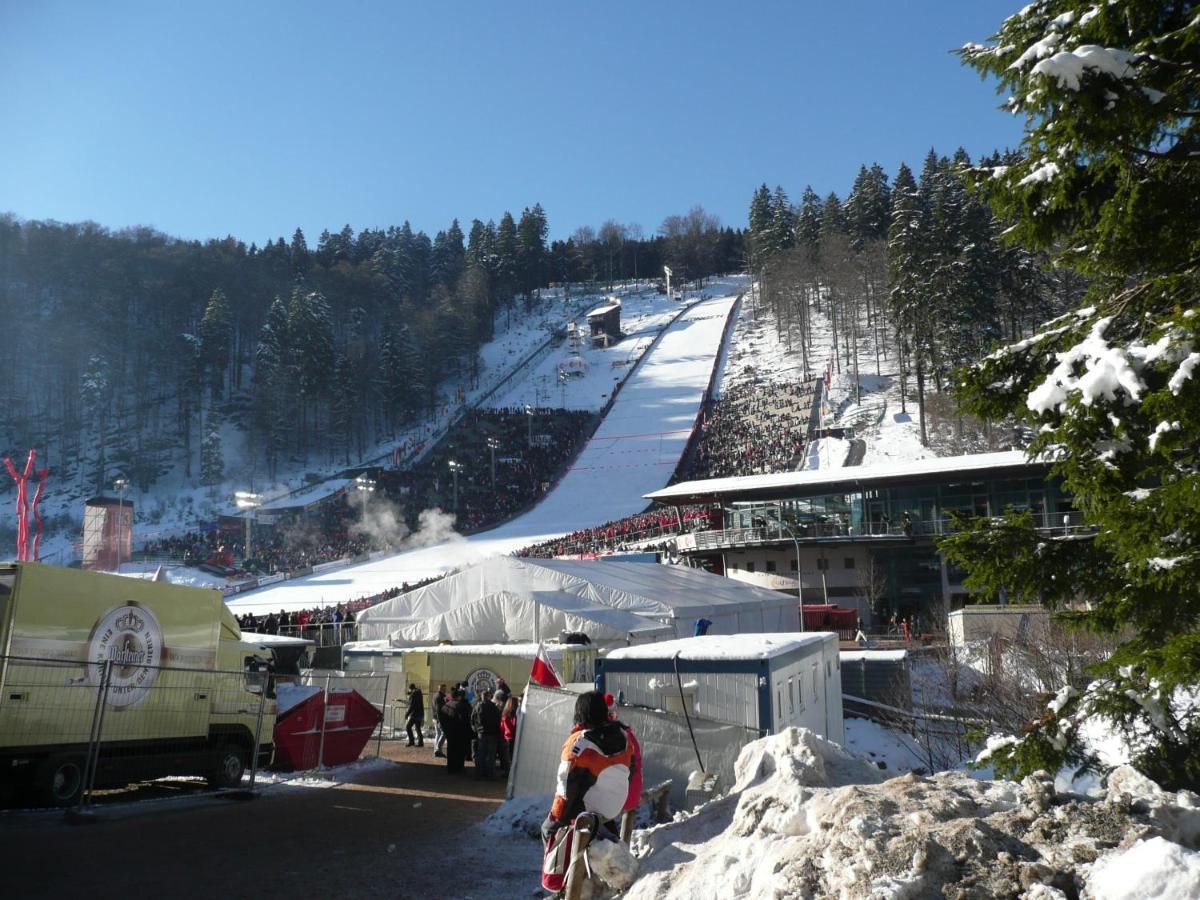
pixel 60 780
pixel 231 766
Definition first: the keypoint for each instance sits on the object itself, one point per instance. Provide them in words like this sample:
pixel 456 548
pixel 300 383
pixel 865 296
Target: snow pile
pixel 521 815
pixel 807 820
pixel 613 867
pixel 1154 868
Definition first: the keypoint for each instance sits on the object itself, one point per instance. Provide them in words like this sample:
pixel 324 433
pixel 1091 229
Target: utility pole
pixel 454 467
pixel 493 443
pixel 120 486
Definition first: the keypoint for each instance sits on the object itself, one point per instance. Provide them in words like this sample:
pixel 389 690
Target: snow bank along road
pixel 633 452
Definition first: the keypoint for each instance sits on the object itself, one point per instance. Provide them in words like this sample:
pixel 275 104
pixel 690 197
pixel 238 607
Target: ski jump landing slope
pixel 633 452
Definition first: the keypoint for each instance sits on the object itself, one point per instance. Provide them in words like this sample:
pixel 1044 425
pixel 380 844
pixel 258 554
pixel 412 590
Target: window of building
pixel 770 565
pixel 749 567
pixel 791 697
pixel 792 564
pixel 849 562
pixel 822 564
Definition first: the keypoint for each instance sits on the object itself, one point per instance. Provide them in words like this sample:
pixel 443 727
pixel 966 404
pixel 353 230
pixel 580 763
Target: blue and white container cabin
pixel 766 682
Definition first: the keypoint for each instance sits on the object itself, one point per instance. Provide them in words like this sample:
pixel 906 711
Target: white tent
pixel 610 601
pixel 506 616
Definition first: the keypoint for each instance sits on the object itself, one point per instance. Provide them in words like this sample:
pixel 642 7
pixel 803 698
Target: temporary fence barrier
pixel 668 750
pixel 348 726
pixel 71 729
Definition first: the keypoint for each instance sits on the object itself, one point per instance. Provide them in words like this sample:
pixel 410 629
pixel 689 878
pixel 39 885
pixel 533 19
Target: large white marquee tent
pixel 508 599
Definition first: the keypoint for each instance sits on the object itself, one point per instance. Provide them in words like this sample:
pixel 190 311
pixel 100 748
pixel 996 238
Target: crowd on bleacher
pixel 756 426
pixel 321 536
pixel 309 623
pixel 625 533
pixel 524 469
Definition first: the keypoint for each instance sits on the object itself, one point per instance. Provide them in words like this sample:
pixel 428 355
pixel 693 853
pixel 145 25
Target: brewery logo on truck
pixel 129 637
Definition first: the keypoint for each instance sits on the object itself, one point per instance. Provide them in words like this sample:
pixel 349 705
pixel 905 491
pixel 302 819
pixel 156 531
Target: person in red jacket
pixel 508 733
pixel 595 766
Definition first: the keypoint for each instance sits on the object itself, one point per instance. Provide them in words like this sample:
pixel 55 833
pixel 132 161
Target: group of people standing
pixel 482 728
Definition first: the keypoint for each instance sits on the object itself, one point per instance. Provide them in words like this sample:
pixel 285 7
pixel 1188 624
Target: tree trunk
pixel 921 400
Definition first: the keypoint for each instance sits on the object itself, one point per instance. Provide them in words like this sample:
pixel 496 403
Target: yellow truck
pixel 156 675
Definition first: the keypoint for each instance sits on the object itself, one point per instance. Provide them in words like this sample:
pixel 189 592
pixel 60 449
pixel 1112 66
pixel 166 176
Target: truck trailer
pixel 154 675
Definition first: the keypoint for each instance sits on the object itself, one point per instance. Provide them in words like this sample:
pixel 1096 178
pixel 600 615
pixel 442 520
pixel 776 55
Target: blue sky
pixel 249 118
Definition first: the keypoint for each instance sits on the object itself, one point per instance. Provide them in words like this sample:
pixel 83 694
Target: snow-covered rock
pixel 806 820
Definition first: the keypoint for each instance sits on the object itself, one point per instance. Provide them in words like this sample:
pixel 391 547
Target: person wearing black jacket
pixel 416 716
pixel 439 700
pixel 485 722
pixel 456 724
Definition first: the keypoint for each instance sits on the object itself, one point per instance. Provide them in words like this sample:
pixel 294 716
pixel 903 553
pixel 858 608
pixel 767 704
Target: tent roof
pixel 615 600
pixel 511 617
pixel 527 650
pixel 681 591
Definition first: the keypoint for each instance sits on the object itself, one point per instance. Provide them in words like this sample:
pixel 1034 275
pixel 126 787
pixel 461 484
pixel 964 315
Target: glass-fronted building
pixel 864 536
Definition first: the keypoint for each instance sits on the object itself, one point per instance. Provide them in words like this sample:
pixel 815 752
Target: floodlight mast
pixel 249 501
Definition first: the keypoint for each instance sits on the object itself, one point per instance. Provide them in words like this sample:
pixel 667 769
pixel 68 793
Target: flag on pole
pixel 543 670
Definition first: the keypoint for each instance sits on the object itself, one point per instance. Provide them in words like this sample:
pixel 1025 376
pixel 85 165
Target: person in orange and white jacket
pixel 594 771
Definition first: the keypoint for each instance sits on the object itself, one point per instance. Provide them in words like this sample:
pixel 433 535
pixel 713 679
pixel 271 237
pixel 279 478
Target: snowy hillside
pixel 634 451
pixel 518 367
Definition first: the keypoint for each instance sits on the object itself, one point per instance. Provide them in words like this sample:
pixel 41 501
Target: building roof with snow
pixel 726 646
pixel 604 308
pixel 935 469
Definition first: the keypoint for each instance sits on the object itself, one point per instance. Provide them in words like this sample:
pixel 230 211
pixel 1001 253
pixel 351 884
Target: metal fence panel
pixel 375 688
pixel 543 724
pixel 73 728
pixel 665 741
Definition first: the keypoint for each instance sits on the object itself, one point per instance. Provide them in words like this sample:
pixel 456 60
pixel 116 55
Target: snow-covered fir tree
pixel 1109 179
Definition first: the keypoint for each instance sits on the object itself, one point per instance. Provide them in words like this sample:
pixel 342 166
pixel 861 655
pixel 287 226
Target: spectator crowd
pixel 622 534
pixel 320 623
pixel 755 427
pixel 531 453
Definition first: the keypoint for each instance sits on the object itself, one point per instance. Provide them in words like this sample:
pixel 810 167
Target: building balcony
pixel 1068 525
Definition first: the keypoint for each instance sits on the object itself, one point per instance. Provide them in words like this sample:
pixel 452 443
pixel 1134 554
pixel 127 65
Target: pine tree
pixel 506 259
pixel 783 222
pixel 212 456
pixel 216 338
pixel 344 409
pixel 531 249
pixel 271 377
pixel 1108 180
pixel 300 258
pixel 761 221
pixel 808 222
pixel 868 208
pixel 908 276
pixel 833 216
pixel 311 352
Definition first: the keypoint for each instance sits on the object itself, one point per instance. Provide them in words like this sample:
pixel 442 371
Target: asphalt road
pixel 388 831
